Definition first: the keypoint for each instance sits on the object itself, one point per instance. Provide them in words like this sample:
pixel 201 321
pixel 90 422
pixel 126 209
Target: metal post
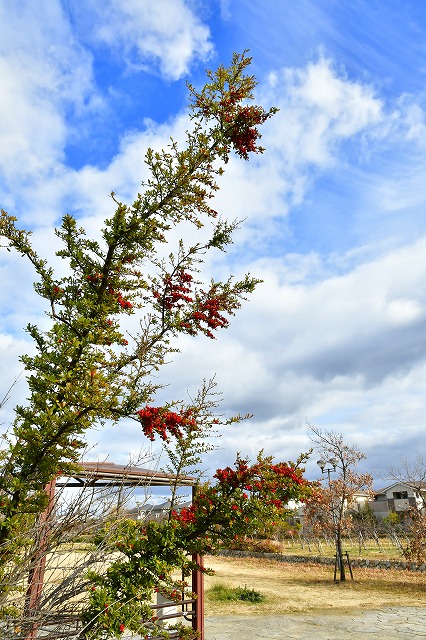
pixel 349 565
pixel 38 564
pixel 198 589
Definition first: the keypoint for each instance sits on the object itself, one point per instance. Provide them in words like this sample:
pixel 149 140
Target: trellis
pixel 107 474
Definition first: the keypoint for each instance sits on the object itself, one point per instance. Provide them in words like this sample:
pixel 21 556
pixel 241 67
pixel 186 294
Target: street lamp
pixel 323 464
pixel 328 467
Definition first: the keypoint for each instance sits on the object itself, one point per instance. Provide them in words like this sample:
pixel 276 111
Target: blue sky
pixel 335 209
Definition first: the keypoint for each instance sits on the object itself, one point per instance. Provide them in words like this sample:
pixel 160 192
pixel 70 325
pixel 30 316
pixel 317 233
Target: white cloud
pixel 45 75
pixel 346 353
pixel 344 321
pixel 403 311
pixel 32 130
pixel 48 89
pixel 165 32
pixel 342 349
pixel 321 114
pixel 318 109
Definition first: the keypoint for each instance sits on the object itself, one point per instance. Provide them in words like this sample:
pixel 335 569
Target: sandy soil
pixel 293 588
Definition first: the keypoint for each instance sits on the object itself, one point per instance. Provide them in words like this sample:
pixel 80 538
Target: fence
pixel 355 562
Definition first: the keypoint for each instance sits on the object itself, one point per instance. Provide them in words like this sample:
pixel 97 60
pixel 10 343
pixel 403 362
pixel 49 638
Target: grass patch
pixel 223 593
pixel 381 549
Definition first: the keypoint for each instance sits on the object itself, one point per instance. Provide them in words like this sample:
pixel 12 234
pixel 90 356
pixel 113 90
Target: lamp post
pixel 328 467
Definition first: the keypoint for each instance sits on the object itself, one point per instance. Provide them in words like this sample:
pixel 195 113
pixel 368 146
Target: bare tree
pixel 329 508
pixel 412 473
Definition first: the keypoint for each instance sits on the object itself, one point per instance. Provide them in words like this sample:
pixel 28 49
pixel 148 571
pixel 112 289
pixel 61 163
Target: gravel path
pixel 402 623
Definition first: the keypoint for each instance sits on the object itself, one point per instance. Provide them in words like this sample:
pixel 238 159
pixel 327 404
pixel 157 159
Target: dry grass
pixel 320 547
pixel 295 588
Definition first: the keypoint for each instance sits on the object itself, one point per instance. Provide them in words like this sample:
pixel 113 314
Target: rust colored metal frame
pixel 100 474
pixel 198 589
pixel 38 565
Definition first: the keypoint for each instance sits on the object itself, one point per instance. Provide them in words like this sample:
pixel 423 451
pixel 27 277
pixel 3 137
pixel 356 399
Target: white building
pixel 398 497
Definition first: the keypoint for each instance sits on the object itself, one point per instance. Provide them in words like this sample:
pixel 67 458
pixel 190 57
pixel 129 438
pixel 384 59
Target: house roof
pixel 106 473
pixel 417 484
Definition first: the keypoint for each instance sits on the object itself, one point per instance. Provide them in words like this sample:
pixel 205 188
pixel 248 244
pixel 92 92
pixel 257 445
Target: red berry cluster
pixel 208 313
pixel 176 290
pixel 225 106
pixel 164 422
pixel 227 476
pixel 186 515
pixel 244 133
pixel 264 479
pixel 241 476
pixel 94 277
pixel 171 594
pixel 128 259
pixel 57 292
pixel 240 122
pixel 124 304
pixel 276 503
pixel 285 471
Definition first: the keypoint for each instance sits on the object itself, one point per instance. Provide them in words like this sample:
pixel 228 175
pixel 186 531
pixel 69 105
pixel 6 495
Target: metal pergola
pixel 101 474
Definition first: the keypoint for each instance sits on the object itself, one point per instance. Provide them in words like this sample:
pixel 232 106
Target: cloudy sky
pixel 334 211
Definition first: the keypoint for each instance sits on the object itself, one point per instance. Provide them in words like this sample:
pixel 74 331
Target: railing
pixel 68 626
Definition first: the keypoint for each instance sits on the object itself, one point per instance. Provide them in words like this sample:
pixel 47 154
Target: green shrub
pixel 249 595
pixel 223 593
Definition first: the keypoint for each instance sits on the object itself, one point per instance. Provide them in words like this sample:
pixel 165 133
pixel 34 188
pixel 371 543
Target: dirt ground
pixel 309 588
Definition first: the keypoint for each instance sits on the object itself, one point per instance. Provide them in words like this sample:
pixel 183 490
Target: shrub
pixel 223 593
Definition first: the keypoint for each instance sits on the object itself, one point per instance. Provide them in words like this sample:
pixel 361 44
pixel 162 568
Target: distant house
pixel 158 512
pixel 398 497
pixel 358 500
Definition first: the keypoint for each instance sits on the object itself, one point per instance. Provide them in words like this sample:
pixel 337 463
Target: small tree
pixel 364 523
pixel 328 508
